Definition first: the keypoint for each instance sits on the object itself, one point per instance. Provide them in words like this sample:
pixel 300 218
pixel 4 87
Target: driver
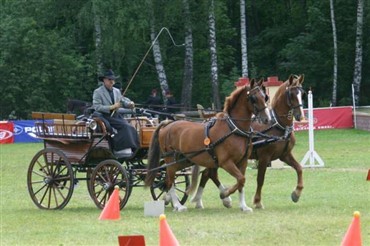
pixel 106 100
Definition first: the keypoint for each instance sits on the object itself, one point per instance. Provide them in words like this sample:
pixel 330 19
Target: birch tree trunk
pixel 243 36
pixel 358 59
pixel 161 73
pixel 335 51
pixel 213 52
pixel 187 83
pixel 97 29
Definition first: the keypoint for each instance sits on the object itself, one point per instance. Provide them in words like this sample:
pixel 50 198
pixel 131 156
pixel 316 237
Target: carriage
pixel 80 149
pixel 73 147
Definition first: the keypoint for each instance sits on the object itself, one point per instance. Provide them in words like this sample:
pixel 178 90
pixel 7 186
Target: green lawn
pixel 321 217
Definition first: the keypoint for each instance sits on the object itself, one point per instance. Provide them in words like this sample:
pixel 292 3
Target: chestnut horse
pixel 224 141
pixel 286 104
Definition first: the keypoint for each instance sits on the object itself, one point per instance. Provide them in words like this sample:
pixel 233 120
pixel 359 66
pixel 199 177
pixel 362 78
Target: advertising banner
pixel 24 131
pixel 6 132
pixel 328 118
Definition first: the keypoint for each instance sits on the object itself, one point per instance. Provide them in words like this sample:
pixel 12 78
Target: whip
pixel 146 54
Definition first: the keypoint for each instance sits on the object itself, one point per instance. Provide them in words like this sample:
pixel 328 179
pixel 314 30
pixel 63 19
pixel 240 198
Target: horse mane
pixel 231 100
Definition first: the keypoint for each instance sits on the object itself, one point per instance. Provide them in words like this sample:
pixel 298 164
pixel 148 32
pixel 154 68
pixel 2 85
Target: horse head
pixel 247 100
pixel 294 93
pixel 257 97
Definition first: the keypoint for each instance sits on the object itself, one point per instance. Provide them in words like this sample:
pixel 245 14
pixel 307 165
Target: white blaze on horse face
pixel 299 97
pixel 267 112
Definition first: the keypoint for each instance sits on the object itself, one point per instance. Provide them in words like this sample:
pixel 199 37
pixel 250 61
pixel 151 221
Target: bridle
pixel 289 100
pixel 289 96
pixel 253 99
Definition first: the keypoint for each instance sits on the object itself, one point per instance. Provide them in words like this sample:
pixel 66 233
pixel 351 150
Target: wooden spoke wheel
pixel 158 189
pixel 88 177
pixel 50 179
pixel 106 175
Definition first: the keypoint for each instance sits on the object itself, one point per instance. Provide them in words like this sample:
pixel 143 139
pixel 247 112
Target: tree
pixel 335 54
pixel 243 35
pixel 98 37
pixel 158 61
pixel 187 84
pixel 213 52
pixel 357 74
pixel 50 50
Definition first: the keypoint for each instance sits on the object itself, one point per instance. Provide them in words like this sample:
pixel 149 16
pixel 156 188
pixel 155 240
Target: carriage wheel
pixel 158 188
pixel 106 175
pixel 88 177
pixel 50 179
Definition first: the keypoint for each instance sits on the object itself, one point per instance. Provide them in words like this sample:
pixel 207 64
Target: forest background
pixel 52 50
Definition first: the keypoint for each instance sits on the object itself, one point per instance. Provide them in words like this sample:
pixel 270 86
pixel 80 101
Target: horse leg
pixel 238 173
pixel 206 175
pixel 243 206
pixel 213 175
pixel 167 199
pixel 262 166
pixel 291 161
pixel 227 201
pixel 177 206
pixel 197 199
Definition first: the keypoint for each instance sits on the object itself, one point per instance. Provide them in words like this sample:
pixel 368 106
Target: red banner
pixel 6 132
pixel 328 118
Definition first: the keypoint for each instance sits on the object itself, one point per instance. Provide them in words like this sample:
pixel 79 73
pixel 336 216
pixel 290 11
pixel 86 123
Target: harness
pixel 210 147
pixel 276 124
pixel 268 139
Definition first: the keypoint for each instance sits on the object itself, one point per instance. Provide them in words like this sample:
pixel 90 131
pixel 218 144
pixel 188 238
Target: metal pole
pixel 354 105
pixel 310 128
pixel 311 154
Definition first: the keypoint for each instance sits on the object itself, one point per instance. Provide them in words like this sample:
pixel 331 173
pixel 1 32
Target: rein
pixel 210 147
pixel 234 129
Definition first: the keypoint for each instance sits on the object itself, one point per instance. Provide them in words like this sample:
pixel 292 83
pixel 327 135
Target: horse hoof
pixel 199 206
pixel 167 199
pixel 295 197
pixel 259 206
pixel 227 202
pixel 180 209
pixel 198 202
pixel 247 210
pixel 223 195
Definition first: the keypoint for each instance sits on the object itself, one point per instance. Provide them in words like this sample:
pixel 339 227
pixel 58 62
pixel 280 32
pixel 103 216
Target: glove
pixel 115 106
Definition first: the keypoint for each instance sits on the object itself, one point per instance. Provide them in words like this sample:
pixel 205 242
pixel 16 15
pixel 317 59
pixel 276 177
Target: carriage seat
pixel 107 125
pixel 125 153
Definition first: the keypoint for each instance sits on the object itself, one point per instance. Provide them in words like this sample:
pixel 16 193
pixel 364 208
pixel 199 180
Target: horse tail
pixel 154 155
pixel 194 180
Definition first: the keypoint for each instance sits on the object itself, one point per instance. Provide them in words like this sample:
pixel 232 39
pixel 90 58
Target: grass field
pixel 321 217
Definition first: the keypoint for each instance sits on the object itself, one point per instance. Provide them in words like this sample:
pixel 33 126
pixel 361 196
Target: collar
pixel 108 89
pixel 275 121
pixel 236 129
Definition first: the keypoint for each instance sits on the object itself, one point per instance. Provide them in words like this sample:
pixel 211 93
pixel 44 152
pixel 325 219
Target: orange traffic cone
pixel 111 210
pixel 368 175
pixel 166 237
pixel 353 234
